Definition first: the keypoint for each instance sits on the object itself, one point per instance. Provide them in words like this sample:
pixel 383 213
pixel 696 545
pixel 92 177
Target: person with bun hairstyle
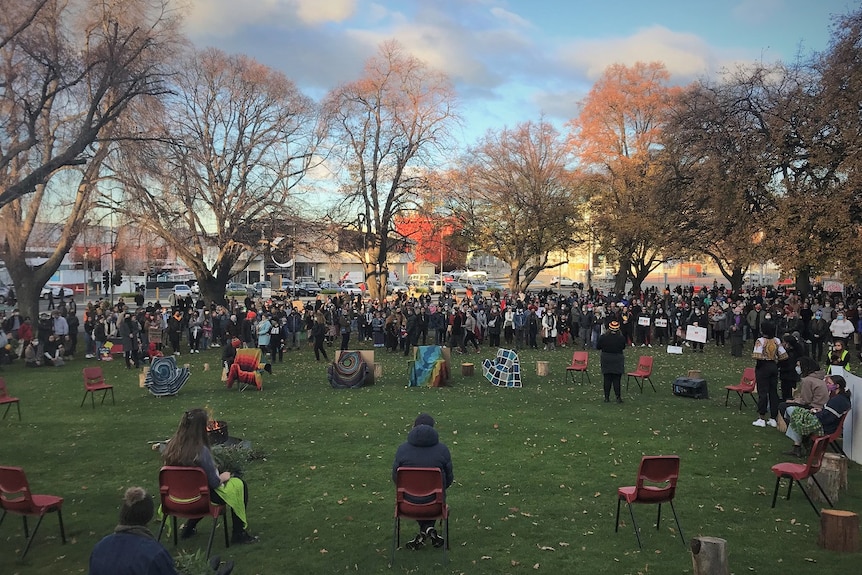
pixel 189 447
pixel 612 344
pixel 132 549
pixel 768 351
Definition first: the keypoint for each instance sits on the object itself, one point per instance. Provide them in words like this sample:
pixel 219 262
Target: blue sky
pixel 514 60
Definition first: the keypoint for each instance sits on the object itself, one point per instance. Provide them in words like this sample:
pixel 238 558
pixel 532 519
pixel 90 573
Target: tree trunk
pixel 213 290
pixel 839 530
pixel 709 556
pixel 832 477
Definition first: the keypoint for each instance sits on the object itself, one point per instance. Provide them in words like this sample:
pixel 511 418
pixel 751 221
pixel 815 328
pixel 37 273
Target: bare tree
pixel 385 127
pixel 518 201
pixel 233 143
pixel 716 145
pixel 67 80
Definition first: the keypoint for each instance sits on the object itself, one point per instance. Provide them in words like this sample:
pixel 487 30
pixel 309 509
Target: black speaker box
pixel 690 387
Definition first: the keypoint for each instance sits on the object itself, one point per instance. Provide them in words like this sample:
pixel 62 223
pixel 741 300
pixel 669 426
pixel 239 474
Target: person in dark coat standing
pixel 612 344
pixel 423 448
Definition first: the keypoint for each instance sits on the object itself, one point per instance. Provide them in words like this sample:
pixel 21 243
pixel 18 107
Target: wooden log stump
pixel 378 371
pixel 839 530
pixel 695 374
pixel 467 369
pixel 709 556
pixel 542 368
pixel 832 478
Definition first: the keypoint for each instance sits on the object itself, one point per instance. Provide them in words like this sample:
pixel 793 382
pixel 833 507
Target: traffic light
pixel 118 278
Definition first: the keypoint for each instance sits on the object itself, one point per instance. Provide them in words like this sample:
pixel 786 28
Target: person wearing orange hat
pixel 612 344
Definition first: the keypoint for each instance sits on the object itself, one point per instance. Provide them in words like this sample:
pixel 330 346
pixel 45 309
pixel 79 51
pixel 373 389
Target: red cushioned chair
pixel 642 373
pixel 420 483
pixel 16 498
pixel 832 437
pixel 185 493
pixel 656 484
pixel 94 381
pixel 580 360
pixel 745 386
pixel 799 471
pixel 8 400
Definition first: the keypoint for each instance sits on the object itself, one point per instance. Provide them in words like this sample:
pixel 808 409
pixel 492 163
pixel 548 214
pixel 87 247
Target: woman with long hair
pixel 807 422
pixel 189 447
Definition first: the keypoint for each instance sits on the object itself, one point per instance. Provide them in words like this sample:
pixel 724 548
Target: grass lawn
pixel 536 469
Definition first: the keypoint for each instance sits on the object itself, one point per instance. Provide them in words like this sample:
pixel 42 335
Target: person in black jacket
pixel 423 448
pixel 612 344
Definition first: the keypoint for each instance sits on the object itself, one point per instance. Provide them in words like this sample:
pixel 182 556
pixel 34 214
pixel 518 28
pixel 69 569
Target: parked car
pixel 456 287
pixel 258 287
pixel 234 287
pixel 396 287
pixel 491 285
pixel 348 286
pixel 56 291
pixel 4 292
pixel 330 286
pixel 307 289
pixel 182 291
pixel 558 281
pixel 196 287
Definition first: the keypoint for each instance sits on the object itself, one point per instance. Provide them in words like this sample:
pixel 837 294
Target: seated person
pixel 805 422
pixel 31 354
pixel 228 352
pixel 132 548
pixel 812 390
pixel 54 351
pixel 189 447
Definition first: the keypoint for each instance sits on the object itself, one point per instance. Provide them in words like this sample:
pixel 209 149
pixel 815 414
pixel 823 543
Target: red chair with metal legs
pixel 656 484
pixel 642 373
pixel 185 493
pixel 580 361
pixel 800 471
pixel 94 381
pixel 8 400
pixel 420 484
pixel 745 386
pixel 16 498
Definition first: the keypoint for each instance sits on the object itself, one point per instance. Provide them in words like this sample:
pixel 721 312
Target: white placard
pixel 644 320
pixel 695 333
pixel 661 322
pixel 674 349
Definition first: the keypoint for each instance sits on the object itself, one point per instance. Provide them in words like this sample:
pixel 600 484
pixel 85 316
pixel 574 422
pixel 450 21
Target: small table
pixel 467 369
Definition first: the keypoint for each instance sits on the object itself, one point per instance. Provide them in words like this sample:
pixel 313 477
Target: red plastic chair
pixel 94 381
pixel 5 398
pixel 642 373
pixel 420 484
pixel 185 493
pixel 16 498
pixel 580 361
pixel 832 437
pixel 746 385
pixel 800 471
pixel 661 473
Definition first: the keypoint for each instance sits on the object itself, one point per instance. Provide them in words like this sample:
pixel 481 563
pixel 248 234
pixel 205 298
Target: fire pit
pixel 217 432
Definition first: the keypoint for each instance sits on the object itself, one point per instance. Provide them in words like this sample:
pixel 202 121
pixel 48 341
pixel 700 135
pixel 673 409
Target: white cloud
pixel 510 18
pixel 226 17
pixel 685 56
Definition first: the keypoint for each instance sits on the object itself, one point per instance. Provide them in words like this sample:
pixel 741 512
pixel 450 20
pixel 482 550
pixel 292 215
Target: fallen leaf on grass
pixel 545 548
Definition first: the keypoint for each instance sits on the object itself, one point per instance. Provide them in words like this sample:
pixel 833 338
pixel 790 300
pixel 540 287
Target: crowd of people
pixel 815 325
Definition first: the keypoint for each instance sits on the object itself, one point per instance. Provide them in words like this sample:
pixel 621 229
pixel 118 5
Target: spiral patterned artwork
pixel 348 371
pixel 164 377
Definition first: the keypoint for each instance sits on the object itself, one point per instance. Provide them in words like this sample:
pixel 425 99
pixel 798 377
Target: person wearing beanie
pixel 423 448
pixel 132 548
pixel 612 344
